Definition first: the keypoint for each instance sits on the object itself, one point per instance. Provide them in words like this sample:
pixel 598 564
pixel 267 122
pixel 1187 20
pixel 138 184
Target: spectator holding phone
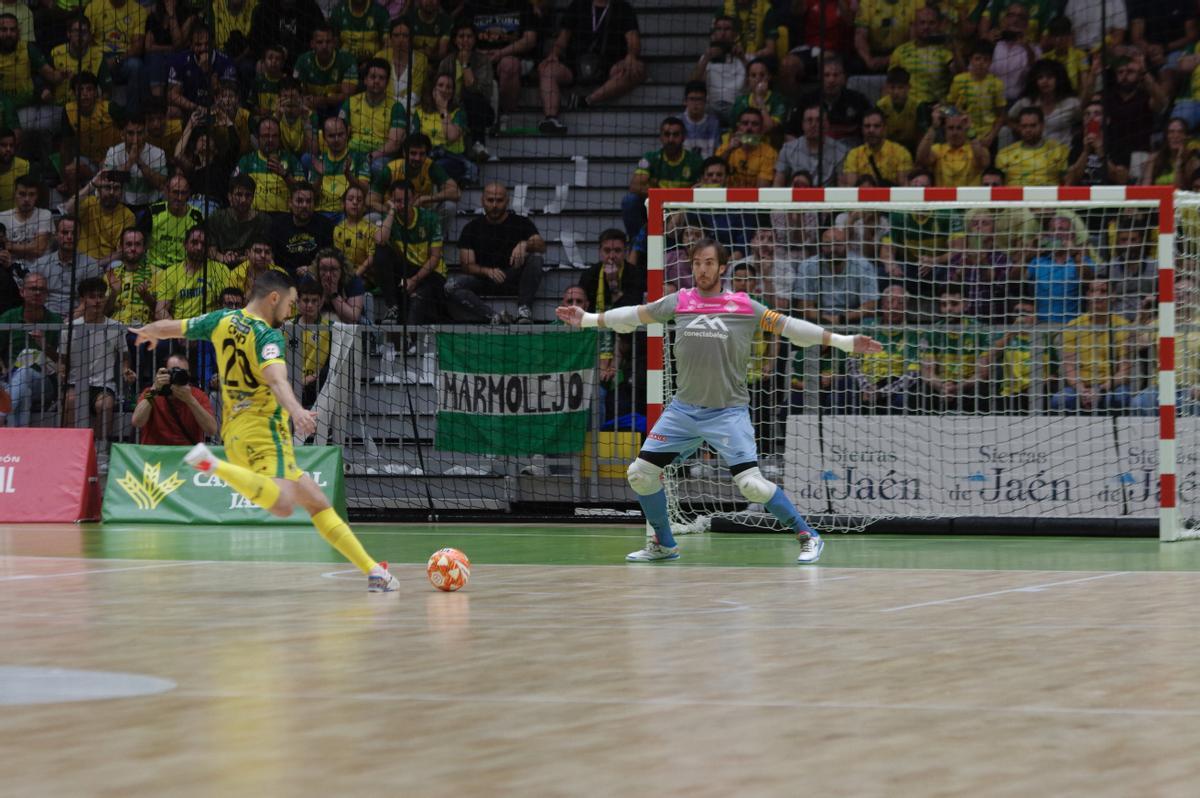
pixel 1094 160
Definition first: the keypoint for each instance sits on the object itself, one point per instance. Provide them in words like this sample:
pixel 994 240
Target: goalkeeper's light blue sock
pixel 782 508
pixel 655 508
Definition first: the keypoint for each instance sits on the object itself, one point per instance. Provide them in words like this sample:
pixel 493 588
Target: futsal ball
pixel 448 569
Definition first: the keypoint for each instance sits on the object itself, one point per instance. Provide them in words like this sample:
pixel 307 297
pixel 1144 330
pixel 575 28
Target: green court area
pixel 572 544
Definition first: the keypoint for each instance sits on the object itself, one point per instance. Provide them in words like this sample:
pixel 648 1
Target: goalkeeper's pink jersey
pixel 713 335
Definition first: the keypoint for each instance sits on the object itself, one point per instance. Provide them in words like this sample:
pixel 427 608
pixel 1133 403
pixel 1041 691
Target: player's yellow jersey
pixel 245 346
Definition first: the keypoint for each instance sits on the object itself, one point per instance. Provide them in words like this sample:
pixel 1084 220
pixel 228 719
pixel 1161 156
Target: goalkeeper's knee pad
pixel 644 477
pixel 754 486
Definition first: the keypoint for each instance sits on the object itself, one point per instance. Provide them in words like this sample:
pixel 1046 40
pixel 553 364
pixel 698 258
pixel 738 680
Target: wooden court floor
pixel 189 661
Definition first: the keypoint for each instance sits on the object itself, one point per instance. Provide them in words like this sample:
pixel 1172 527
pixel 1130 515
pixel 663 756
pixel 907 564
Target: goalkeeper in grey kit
pixel 713 333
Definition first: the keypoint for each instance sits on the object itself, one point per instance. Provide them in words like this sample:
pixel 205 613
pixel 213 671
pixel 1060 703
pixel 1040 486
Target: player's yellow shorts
pixel 262 444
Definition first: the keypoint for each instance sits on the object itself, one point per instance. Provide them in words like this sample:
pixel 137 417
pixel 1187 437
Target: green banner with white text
pixel 515 394
pixel 152 484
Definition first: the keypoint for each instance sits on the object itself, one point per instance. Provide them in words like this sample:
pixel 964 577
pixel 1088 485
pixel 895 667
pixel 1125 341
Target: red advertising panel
pixel 47 475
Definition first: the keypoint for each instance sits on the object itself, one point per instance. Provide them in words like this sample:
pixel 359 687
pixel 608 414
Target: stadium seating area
pixel 117 117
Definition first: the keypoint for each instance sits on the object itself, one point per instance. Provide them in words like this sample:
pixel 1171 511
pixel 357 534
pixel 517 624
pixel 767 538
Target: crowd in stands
pixel 156 158
pixel 929 93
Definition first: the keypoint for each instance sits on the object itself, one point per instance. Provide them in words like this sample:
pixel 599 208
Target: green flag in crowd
pixel 514 395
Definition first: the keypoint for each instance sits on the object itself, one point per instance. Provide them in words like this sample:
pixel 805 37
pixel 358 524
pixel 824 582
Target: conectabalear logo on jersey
pixel 705 326
pixel 148 492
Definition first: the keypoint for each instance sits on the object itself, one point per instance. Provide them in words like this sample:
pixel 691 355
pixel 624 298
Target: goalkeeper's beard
pixel 707 285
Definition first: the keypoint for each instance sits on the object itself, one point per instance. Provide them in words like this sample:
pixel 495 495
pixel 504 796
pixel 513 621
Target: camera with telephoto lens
pixel 178 377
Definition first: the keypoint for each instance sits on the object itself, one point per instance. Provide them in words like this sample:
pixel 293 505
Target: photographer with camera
pixel 172 411
pixel 957 161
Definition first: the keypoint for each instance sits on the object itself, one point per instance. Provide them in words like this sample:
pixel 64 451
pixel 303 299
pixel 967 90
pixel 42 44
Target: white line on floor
pixel 469 699
pixel 1026 589
pixel 22 577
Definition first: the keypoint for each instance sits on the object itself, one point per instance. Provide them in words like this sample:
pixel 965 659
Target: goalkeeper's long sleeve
pixel 623 320
pixel 805 333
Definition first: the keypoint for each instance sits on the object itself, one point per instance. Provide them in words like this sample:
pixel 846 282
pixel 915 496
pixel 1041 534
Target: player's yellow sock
pixel 258 488
pixel 337 533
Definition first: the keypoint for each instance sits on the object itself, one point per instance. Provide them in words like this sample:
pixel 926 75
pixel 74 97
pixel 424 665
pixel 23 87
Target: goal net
pixel 1027 381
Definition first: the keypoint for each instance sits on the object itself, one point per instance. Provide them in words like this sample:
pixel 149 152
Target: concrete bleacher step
pixel 584 224
pixel 582 142
pixel 555 281
pixel 589 252
pixel 376 399
pixel 684 22
pixel 610 172
pixel 679 44
pixel 673 69
pixel 640 121
pixel 397 426
pixel 538 197
pixel 434 461
pixel 646 94
pixel 676 6
pixel 543 306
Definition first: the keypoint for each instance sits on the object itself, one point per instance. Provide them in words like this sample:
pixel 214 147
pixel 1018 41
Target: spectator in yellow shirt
pixel 312 327
pixel 102 218
pixel 1096 357
pixel 1060 48
pixel 930 64
pixel 751 159
pixel 899 109
pixel 880 26
pixel 354 236
pixel 11 168
pixel 79 53
pixel 958 161
pixel 980 94
pixel 120 28
pixel 885 161
pixel 757 29
pixel 1034 160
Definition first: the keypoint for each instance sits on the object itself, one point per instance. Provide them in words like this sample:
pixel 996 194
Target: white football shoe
pixel 380 580
pixel 810 548
pixel 653 552
pixel 201 458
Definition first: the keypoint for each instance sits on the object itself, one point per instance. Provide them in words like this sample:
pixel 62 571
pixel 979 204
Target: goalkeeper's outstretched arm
pixel 622 320
pixel 805 333
pixel 798 331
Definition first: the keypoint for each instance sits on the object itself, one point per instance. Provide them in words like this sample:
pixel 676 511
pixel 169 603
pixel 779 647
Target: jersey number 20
pixel 236 359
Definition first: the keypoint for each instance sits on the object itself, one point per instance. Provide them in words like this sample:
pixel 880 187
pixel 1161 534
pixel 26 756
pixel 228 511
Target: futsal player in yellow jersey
pixel 258 401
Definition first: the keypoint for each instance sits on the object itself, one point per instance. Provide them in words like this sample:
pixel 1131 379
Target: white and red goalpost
pixel 1036 468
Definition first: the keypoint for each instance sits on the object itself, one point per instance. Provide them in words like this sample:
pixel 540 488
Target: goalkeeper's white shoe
pixel 810 548
pixel 201 458
pixel 653 553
